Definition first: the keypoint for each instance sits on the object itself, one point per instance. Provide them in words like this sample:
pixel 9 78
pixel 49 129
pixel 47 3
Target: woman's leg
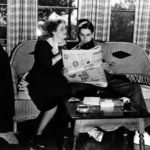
pixel 38 141
pixel 46 118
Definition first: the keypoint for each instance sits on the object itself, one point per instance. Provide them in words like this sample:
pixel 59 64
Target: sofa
pixel 128 58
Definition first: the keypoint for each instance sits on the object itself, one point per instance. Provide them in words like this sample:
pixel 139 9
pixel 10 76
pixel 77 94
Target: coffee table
pixel 108 120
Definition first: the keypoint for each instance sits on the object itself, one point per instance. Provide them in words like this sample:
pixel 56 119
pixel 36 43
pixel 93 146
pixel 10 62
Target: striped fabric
pixel 98 12
pixel 142 25
pixel 22 22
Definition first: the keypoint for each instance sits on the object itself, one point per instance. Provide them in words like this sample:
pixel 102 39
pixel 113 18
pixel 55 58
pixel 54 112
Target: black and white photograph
pixel 75 75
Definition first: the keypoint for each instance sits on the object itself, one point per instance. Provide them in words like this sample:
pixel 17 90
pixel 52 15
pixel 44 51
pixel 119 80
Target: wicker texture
pixel 129 59
pixel 21 62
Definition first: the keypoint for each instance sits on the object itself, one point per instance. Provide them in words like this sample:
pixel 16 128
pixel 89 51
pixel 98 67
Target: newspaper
pixel 84 66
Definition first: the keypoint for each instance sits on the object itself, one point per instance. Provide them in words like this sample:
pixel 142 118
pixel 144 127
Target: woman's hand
pixel 64 70
pixel 23 83
pixel 56 59
pixel 22 86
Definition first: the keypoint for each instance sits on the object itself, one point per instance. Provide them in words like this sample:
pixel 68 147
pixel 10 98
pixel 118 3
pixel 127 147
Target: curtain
pixel 22 22
pixel 99 13
pixel 142 25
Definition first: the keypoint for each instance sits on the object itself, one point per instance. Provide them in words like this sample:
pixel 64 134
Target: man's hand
pixel 108 66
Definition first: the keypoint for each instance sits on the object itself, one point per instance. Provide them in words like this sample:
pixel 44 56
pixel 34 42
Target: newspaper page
pixel 84 66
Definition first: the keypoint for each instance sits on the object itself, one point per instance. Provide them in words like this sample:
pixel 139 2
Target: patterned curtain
pixel 22 22
pixel 142 25
pixel 99 12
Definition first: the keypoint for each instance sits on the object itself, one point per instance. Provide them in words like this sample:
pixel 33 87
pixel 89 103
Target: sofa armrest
pixel 15 79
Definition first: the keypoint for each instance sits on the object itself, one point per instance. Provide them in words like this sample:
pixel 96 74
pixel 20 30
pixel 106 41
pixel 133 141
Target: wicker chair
pixel 21 62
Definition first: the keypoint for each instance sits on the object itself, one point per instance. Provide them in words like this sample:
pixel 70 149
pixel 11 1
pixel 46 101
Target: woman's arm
pixel 43 61
pixel 43 55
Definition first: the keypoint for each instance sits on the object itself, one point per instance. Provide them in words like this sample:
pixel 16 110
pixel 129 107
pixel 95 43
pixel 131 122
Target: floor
pixel 120 139
pixel 114 140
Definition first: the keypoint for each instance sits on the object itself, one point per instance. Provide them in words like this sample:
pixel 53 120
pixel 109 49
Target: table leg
pixel 141 134
pixel 74 142
pixel 76 132
pixel 142 145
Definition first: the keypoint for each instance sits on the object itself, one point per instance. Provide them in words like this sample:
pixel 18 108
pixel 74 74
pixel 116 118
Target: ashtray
pixel 82 108
pixel 73 100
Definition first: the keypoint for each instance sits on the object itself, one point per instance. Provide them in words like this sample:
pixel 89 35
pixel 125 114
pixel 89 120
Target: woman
pixel 47 86
pixel 118 85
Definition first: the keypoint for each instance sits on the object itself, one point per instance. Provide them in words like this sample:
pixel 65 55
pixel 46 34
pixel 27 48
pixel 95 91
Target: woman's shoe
pixel 37 143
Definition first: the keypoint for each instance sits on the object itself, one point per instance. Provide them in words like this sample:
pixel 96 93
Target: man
pixel 118 85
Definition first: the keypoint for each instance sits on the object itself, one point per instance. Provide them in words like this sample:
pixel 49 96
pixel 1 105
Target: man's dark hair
pixel 85 24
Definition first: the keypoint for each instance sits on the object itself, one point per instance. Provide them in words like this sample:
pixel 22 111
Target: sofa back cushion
pixel 129 59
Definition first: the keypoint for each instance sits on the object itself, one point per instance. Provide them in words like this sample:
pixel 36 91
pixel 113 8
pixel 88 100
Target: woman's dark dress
pixel 47 86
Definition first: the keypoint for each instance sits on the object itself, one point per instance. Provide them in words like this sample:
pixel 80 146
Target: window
pixel 67 9
pixel 122 20
pixel 3 22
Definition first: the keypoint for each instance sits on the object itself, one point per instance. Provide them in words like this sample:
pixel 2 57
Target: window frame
pixel 69 7
pixel 3 41
pixel 123 10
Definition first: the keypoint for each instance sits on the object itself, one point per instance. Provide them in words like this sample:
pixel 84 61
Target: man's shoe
pixel 146 138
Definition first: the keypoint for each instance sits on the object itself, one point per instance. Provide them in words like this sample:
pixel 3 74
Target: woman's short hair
pixel 85 24
pixel 52 25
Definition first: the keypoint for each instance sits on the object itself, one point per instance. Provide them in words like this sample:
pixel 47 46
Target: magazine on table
pixel 84 66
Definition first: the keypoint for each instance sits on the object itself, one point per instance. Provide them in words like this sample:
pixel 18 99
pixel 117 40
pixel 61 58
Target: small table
pixel 108 121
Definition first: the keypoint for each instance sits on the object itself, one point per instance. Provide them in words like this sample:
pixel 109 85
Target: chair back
pixel 22 58
pixel 130 59
pixel 21 62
